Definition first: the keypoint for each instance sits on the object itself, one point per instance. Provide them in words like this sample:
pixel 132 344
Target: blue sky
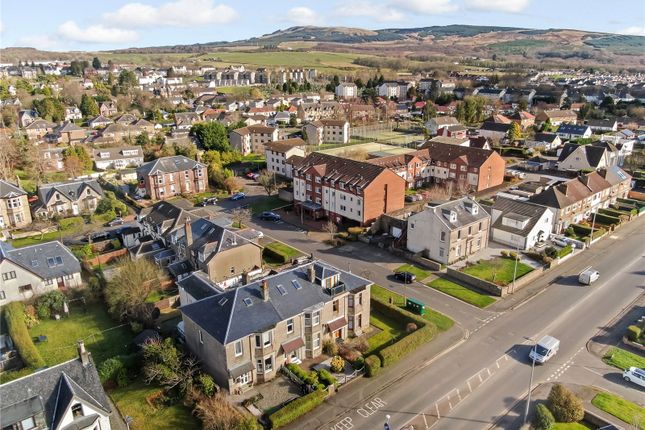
pixel 109 24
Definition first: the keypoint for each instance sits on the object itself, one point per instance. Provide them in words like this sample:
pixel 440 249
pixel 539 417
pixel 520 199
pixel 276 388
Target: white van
pixel 589 275
pixel 546 348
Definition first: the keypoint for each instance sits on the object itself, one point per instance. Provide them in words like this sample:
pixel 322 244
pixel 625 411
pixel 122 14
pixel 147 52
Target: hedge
pixel 326 378
pixel 565 251
pixel 14 314
pixel 581 229
pixel 634 333
pixel 397 313
pixel 393 353
pixel 309 378
pixel 297 408
pixel 372 365
pixel 613 212
pixel 606 219
pixel 275 254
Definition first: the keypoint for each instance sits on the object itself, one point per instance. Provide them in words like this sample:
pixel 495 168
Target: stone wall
pixel 473 281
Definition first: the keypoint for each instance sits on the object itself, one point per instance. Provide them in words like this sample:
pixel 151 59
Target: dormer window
pixel 77 410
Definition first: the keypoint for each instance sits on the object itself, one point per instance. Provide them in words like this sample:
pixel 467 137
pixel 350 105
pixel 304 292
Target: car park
pixel 237 196
pixel 406 277
pixel 269 216
pixel 635 375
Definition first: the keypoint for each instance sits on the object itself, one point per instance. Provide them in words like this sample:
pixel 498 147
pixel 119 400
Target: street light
pixel 528 400
pixel 593 223
pixel 386 426
pixel 128 421
pixel 515 269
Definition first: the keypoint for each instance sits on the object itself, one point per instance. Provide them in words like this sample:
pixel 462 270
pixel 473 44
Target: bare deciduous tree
pixel 240 216
pixel 267 180
pixel 217 413
pixel 331 228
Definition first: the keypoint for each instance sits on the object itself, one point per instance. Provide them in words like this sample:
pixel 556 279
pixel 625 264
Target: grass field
pixel 498 270
pixel 461 292
pixel 131 400
pixel 622 359
pixel 100 333
pixel 26 241
pixel 417 271
pixel 390 331
pixel 442 322
pixel 624 410
pixel 266 204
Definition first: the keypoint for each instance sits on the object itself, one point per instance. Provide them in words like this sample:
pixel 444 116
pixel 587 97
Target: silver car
pixel 635 375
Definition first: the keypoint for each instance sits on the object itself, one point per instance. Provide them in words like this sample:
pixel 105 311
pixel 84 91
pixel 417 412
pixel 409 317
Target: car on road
pixel 208 201
pixel 116 221
pixel 588 276
pixel 635 375
pixel 237 196
pixel 406 277
pixel 544 349
pixel 269 216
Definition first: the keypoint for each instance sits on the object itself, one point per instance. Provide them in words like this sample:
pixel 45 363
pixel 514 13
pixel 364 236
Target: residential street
pixel 497 349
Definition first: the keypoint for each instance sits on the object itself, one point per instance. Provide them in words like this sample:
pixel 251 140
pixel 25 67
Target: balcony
pixel 337 289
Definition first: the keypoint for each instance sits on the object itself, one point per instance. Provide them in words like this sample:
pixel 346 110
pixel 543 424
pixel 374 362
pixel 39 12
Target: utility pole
pixel 593 224
pixel 528 399
pixel 515 269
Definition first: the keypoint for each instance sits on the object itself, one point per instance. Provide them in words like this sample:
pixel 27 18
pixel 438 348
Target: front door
pixel 338 333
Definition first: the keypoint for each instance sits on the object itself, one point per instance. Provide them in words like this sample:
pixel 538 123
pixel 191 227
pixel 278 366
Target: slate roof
pixel 71 190
pixel 40 124
pixel 329 167
pixel 227 317
pixel 210 238
pixel 176 163
pixel 68 127
pixel 573 129
pixel 593 153
pixel 100 119
pixel 511 208
pixel 50 391
pixel 545 137
pixel 8 190
pixel 496 127
pixel 168 216
pixel 460 206
pixel 47 260
pixel 601 123
pixel 198 285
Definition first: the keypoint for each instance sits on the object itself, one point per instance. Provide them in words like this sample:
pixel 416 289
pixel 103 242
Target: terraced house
pixel 68 198
pixel 14 206
pixel 243 336
pixel 170 176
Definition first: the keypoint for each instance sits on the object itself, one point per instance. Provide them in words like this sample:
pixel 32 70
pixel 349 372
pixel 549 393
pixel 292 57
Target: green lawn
pixel 627 411
pixel 570 426
pixel 267 203
pixel 461 292
pixel 623 359
pixel 391 331
pixel 131 401
pixel 498 270
pixel 254 158
pixel 417 271
pixel 442 322
pixel 94 326
pixel 26 241
pixel 282 248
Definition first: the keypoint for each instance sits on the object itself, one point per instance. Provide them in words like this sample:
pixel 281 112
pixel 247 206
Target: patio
pixel 494 249
pixel 270 395
pixel 344 377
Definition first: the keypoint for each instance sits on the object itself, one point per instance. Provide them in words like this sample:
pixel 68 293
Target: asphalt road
pixel 493 363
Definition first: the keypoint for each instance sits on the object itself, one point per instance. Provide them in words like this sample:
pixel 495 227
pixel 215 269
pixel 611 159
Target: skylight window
pixel 222 301
pixel 282 290
pixel 34 263
pixel 296 284
pixel 248 302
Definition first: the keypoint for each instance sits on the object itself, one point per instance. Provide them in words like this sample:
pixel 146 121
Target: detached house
pixel 37 269
pixel 450 231
pixel 280 155
pixel 520 224
pixel 557 116
pixel 243 336
pixel 327 131
pixel 170 176
pixel 574 157
pixel 434 124
pixel 108 109
pixel 38 129
pixel 118 158
pixel 573 131
pixel 68 198
pixel 67 396
pixel 344 189
pixel 253 138
pixel 14 206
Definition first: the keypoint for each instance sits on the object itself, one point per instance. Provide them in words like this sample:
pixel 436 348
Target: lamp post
pixel 593 224
pixel 386 426
pixel 528 399
pixel 515 269
pixel 128 420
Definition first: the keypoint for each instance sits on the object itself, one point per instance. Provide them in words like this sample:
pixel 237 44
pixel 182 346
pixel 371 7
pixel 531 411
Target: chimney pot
pixel 83 355
pixel 189 233
pixel 311 272
pixel 265 290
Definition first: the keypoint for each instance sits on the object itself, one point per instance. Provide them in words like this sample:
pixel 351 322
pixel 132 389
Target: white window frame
pixel 239 348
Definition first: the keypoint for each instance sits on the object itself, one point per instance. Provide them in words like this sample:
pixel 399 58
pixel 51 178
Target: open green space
pixel 390 331
pixel 497 270
pixel 103 337
pixel 570 426
pixel 624 410
pixel 623 359
pixel 415 270
pixel 462 293
pixel 132 400
pixel 266 204
pixel 442 322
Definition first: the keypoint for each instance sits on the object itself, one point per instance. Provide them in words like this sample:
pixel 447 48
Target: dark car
pixel 237 196
pixel 269 216
pixel 409 198
pixel 406 277
pixel 116 221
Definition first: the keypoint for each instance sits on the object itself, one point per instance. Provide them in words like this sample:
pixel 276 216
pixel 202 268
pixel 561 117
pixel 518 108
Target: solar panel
pixel 296 284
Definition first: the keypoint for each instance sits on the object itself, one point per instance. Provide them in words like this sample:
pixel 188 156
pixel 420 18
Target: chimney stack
pixel 265 290
pixel 83 355
pixel 189 234
pixel 311 272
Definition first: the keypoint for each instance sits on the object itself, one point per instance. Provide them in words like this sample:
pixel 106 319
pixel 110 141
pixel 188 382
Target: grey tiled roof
pixel 512 208
pixel 198 285
pixel 210 238
pixel 572 129
pixel 464 216
pixel 227 317
pixel 9 190
pixel 177 163
pixel 593 153
pixel 47 260
pixel 69 189
pixel 52 389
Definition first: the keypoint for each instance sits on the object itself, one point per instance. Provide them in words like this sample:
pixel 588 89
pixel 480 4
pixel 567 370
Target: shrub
pixel 48 303
pixel 326 378
pixel 359 363
pixel 355 230
pixel 504 253
pixel 634 333
pixel 136 327
pixel 372 365
pixel 207 384
pixel 513 255
pixel 337 364
pixel 348 353
pixel 393 353
pixel 309 378
pixel 330 347
pixel 109 369
pixel 544 419
pixel 565 251
pixel 31 318
pixel 122 378
pixel 551 252
pixel 565 405
pixel 14 315
pixel 297 408
pixel 410 327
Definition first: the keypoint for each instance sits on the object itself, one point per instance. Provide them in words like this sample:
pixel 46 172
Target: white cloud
pixel 302 16
pixel 427 7
pixel 633 31
pixel 378 12
pixel 95 33
pixel 179 13
pixel 513 6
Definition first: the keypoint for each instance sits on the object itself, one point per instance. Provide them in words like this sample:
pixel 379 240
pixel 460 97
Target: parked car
pixel 635 375
pixel 238 196
pixel 406 277
pixel 101 235
pixel 208 201
pixel 116 221
pixel 269 216
pixel 559 241
pixel 409 198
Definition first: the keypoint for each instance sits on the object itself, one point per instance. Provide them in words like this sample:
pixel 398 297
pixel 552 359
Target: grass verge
pixel 624 410
pixel 462 293
pixel 622 359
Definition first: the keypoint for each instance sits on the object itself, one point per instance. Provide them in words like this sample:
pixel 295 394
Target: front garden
pixel 279 253
pixel 415 270
pixel 624 410
pixel 499 270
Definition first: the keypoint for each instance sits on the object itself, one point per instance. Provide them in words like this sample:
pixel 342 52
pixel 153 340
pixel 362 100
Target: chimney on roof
pixel 83 355
pixel 189 233
pixel 311 273
pixel 265 290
